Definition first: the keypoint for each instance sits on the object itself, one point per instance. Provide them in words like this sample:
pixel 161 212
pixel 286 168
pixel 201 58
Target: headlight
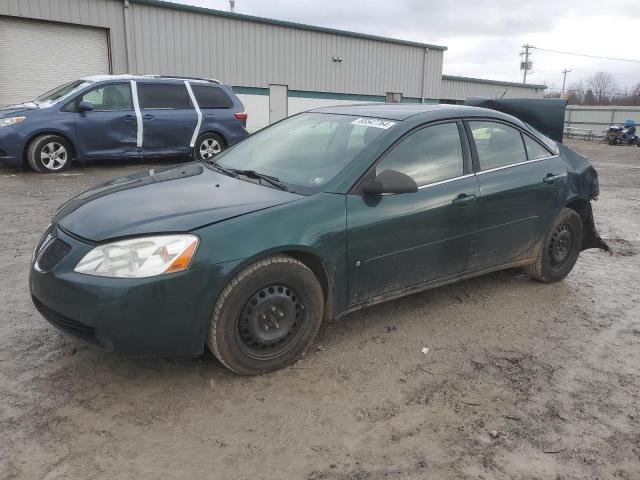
pixel 4 122
pixel 140 257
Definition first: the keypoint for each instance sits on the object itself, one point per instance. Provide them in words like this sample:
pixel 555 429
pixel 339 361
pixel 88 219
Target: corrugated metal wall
pixel 98 13
pixel 251 54
pixel 462 89
pixel 599 118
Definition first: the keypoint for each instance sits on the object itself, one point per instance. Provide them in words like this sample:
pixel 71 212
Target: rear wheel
pixel 266 317
pixel 208 146
pixel 560 249
pixel 49 154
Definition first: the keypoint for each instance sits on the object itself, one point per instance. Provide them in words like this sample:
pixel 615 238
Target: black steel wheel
pixel 271 321
pixel 267 316
pixel 560 249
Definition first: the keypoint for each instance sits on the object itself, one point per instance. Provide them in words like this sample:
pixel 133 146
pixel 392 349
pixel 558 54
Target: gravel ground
pixel 521 380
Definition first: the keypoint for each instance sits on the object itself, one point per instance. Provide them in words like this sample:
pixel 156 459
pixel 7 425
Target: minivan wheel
pixel 208 146
pixel 49 154
pixel 560 249
pixel 266 317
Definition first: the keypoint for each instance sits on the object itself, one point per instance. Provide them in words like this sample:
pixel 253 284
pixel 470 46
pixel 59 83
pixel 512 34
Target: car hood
pixel 173 199
pixel 11 110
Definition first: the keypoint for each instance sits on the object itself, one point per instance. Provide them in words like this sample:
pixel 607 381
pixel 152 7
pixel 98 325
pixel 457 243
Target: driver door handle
pixel 464 199
pixel 550 178
pixel 129 118
pixel 147 117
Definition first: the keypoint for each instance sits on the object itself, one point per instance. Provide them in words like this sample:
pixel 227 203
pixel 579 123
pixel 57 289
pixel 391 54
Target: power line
pixel 586 55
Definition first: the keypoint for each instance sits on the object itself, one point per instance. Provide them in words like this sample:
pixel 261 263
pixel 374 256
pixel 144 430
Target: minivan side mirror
pixel 85 106
pixel 389 181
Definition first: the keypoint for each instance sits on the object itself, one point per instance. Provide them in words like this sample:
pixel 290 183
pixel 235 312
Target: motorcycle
pixel 623 134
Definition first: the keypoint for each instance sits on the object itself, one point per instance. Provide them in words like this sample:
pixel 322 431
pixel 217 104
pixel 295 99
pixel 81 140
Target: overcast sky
pixel 484 37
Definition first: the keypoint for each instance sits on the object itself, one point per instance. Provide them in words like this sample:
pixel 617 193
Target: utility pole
pixel 564 80
pixel 525 65
pixel 232 6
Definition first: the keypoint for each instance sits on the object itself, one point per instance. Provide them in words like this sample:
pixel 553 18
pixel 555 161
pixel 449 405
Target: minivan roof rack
pixel 174 77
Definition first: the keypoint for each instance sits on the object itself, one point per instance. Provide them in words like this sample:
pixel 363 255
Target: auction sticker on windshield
pixel 373 122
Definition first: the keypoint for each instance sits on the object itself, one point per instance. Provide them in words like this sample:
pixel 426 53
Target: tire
pixel 49 154
pixel 208 146
pixel 560 249
pixel 266 317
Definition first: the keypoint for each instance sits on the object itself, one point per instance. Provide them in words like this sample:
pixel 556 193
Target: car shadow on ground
pixel 367 324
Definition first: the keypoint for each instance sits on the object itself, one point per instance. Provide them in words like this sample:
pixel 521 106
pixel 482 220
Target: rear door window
pixel 498 145
pixel 535 151
pixel 163 96
pixel 209 96
pixel 113 97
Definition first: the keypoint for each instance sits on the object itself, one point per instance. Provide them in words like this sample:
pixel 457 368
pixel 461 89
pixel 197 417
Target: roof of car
pixel 397 111
pixel 102 78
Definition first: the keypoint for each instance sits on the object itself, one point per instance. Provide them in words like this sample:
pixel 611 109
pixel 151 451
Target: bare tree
pixel 602 85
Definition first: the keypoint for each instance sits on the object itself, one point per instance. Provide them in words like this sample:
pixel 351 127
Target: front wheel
pixel 49 154
pixel 266 317
pixel 208 146
pixel 560 249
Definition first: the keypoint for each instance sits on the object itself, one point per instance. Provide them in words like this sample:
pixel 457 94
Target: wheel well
pixel 224 140
pixel 590 239
pixel 39 134
pixel 316 265
pixel 582 207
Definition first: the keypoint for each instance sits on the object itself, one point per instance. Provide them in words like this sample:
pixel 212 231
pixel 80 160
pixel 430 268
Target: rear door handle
pixel 550 178
pixel 464 199
pixel 147 117
pixel 129 118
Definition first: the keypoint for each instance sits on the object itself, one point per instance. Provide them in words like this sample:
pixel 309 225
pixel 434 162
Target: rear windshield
pixel 307 150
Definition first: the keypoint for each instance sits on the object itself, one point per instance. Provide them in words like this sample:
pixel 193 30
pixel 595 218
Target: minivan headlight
pixel 140 257
pixel 4 122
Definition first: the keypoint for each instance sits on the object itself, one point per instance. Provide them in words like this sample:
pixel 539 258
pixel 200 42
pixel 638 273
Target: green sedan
pixel 311 218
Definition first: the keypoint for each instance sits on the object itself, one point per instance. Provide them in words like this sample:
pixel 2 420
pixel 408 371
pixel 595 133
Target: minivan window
pixel 113 97
pixel 497 144
pixel 211 97
pixel 429 155
pixel 166 96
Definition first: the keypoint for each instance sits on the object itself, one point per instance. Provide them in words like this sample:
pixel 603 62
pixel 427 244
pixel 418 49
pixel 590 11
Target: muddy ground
pixel 521 380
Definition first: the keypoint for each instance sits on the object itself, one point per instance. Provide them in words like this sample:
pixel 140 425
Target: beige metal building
pixel 277 68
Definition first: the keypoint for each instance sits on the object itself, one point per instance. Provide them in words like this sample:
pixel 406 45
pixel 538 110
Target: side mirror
pixel 85 106
pixel 390 181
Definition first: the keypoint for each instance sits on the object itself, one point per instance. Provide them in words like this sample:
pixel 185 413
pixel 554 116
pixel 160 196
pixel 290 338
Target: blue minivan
pixel 122 116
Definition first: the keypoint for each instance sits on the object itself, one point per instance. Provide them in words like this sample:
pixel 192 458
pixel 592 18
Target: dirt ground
pixel 521 380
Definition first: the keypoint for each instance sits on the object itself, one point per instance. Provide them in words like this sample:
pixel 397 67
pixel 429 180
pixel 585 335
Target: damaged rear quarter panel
pixel 582 187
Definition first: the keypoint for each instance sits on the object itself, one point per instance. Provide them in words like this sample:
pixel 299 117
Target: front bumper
pixel 163 315
pixel 11 146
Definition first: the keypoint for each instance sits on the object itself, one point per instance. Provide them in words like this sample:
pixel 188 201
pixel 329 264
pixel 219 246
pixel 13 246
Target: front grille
pixel 54 251
pixel 81 330
pixel 43 238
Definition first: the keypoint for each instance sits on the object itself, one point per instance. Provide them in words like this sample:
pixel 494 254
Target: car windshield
pixel 61 91
pixel 305 151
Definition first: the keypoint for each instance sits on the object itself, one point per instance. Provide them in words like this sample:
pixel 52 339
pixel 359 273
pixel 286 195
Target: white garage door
pixel 38 56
